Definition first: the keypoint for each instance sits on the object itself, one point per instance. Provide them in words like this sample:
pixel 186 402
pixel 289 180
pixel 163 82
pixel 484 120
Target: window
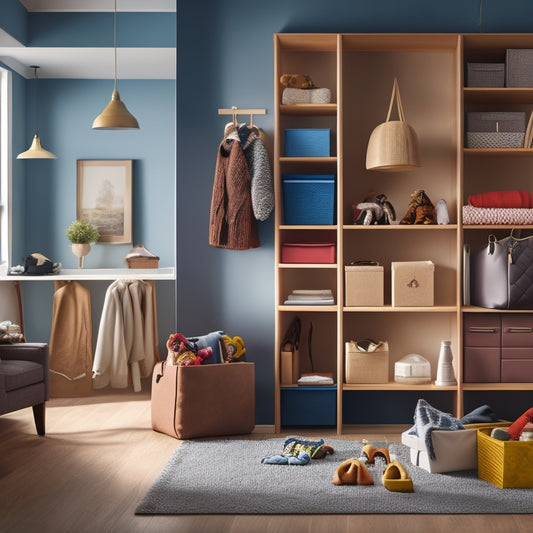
pixel 5 169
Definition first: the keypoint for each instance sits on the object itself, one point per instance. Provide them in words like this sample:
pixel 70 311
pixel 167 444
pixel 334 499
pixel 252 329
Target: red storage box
pixel 308 252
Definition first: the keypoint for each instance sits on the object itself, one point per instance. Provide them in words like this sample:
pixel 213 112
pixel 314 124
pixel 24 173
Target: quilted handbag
pixel 501 274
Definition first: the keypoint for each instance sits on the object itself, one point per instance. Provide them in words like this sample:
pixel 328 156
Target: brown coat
pixel 232 223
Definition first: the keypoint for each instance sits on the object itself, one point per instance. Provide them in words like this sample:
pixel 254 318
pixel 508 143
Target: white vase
pixel 445 374
pixel 80 251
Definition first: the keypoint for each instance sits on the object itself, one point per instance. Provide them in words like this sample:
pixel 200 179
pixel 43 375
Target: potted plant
pixel 81 234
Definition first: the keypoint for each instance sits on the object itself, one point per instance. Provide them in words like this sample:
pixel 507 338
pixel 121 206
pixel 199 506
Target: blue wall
pixel 225 58
pixel 44 191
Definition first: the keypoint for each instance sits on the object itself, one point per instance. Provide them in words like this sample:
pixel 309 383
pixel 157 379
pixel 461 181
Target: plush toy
pixel 375 209
pixel 233 349
pixel 182 352
pixel 420 210
pixel 297 81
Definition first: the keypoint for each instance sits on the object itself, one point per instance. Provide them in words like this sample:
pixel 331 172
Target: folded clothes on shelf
pixel 497 215
pixel 310 297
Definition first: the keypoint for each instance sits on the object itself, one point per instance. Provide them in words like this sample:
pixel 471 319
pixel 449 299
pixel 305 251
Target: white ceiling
pixel 91 63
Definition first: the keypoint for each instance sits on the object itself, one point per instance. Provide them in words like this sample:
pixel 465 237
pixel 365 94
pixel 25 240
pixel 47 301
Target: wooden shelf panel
pixel 395 387
pixel 307 227
pixel 390 309
pixel 498 152
pixel 168 273
pixel 496 226
pixel 307 265
pixel 300 160
pixel 309 308
pixel 497 386
pixel 475 309
pixel 401 227
pixel 308 109
pixel 489 95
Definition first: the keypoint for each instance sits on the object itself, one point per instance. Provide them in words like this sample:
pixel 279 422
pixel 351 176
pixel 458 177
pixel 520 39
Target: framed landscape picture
pixel 104 198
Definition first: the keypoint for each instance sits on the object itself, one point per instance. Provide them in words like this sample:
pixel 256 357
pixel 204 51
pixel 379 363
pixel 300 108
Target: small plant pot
pixel 80 251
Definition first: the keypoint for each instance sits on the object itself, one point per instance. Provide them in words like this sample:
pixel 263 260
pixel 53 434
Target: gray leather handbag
pixel 501 274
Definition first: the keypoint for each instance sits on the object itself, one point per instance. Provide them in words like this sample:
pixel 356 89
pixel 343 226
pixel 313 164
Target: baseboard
pixel 264 429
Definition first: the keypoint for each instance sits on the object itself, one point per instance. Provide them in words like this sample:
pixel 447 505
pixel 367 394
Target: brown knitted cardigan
pixel 232 223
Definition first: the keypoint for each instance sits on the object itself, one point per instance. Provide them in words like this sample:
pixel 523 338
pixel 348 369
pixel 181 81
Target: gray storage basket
pixel 519 67
pixel 495 129
pixel 485 74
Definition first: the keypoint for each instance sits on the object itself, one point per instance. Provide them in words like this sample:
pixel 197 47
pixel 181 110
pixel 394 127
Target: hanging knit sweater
pixel 232 223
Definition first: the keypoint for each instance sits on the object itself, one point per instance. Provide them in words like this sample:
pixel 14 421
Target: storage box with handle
pixel 495 129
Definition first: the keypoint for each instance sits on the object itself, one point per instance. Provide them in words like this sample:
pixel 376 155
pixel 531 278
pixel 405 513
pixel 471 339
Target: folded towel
pixel 501 199
pixel 306 96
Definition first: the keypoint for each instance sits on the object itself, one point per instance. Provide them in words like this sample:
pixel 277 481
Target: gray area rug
pixel 214 476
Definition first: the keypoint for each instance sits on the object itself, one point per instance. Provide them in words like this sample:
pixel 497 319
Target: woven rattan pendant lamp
pixel 393 145
pixel 36 151
pixel 115 116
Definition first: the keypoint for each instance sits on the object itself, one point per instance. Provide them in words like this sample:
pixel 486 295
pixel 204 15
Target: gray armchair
pixel 24 380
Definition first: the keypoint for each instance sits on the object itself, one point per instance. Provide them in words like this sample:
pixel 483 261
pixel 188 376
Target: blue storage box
pixel 309 198
pixel 307 142
pixel 309 406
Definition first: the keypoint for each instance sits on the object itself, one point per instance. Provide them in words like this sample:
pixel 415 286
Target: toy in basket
pixel 140 257
pixel 182 352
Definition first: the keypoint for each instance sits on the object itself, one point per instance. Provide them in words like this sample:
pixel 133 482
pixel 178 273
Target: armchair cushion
pixel 18 374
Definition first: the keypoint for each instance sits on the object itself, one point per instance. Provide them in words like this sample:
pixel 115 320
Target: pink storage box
pixel 308 252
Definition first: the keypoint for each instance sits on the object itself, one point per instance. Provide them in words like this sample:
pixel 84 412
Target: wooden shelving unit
pixel 359 69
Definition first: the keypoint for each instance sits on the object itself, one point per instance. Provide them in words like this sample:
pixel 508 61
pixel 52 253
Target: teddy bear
pixel 297 81
pixel 421 210
pixel 374 209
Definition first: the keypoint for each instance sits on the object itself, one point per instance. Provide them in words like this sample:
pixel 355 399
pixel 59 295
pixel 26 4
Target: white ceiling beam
pixel 144 6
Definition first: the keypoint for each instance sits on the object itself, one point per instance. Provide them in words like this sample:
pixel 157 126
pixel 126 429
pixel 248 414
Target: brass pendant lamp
pixel 36 151
pixel 115 116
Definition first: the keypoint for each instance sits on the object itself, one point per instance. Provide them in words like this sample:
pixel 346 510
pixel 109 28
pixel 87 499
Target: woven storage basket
pixel 505 464
pixel 393 145
pixel 366 367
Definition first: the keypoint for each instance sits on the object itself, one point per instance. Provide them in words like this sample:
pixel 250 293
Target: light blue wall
pixel 225 58
pixel 44 191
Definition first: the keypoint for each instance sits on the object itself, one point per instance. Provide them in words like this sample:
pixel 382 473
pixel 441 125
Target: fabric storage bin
pixel 307 142
pixel 506 464
pixel 309 199
pixel 519 67
pixel 203 401
pixel 366 367
pixel 485 74
pixel 517 348
pixel 309 406
pixel 308 252
pixel 495 129
pixel 364 285
pixel 413 283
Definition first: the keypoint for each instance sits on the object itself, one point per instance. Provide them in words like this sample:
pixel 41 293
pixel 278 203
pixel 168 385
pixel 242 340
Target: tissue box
pixel 413 283
pixel 504 463
pixel 366 367
pixel 364 285
pixel 307 142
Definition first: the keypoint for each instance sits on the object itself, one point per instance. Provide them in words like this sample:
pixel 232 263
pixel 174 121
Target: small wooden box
pixel 506 464
pixel 366 367
pixel 143 262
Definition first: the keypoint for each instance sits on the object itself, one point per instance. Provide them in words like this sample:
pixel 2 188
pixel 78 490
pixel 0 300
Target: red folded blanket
pixel 502 199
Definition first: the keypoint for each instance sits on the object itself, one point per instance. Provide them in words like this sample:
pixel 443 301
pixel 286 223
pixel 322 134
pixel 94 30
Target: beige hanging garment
pixel 71 355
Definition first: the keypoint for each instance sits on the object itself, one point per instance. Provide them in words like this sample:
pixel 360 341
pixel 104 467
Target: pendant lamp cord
pixel 115 42
pixel 36 100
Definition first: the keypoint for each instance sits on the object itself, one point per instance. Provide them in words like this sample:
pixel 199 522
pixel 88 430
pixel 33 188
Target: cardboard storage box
pixel 485 74
pixel 495 129
pixel 366 367
pixel 519 67
pixel 454 450
pixel 413 283
pixel 505 464
pixel 308 252
pixel 364 285
pixel 309 199
pixel 307 142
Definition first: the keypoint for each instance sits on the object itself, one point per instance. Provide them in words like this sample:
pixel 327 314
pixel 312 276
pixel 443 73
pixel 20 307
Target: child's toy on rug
pixel 182 352
pixel 421 210
pixel 374 209
pixel 299 452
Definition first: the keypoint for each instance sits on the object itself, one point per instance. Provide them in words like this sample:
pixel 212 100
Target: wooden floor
pixel 100 456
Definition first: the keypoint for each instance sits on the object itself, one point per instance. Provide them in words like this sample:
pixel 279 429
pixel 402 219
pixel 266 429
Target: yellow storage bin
pixel 506 464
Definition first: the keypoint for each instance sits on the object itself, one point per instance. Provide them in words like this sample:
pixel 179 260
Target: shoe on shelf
pixel 396 478
pixel 371 452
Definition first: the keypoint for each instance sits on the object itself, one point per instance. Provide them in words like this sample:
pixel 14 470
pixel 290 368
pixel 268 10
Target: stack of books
pixel 310 297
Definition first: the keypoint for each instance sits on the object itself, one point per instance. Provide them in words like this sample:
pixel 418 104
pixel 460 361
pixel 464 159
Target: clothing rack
pixel 234 111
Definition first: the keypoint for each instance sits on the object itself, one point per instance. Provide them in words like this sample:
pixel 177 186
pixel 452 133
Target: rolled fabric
pixel 512 198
